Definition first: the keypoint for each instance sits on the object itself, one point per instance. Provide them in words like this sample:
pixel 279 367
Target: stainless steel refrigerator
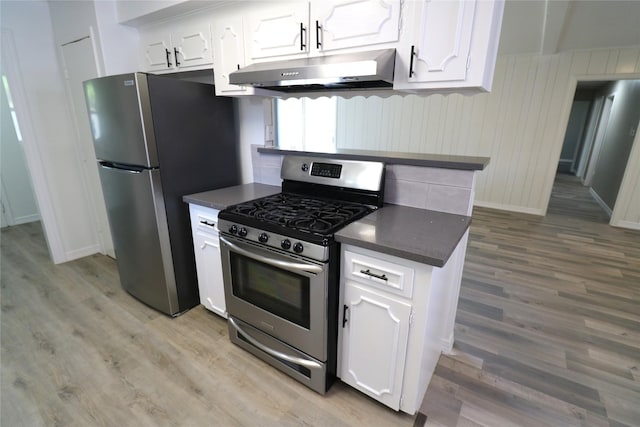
pixel 156 139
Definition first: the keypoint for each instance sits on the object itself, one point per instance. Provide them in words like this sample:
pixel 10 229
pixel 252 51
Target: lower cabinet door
pixel 209 268
pixel 374 343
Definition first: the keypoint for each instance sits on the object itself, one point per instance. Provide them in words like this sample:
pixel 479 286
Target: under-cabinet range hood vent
pixel 361 70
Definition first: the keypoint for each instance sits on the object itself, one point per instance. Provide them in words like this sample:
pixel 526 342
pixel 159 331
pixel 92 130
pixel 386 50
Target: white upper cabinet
pixel 310 29
pixel 278 29
pixel 228 43
pixel 156 50
pixel 341 24
pixel 452 44
pixel 179 45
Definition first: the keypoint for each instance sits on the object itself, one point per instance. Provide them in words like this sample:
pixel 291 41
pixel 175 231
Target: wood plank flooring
pixel 547 334
pixel 79 351
pixel 548 322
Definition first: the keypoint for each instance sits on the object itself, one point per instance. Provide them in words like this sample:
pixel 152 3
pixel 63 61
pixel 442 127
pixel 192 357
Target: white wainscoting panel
pixel 520 125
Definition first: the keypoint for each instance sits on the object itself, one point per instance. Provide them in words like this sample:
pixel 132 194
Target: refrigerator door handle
pixel 113 166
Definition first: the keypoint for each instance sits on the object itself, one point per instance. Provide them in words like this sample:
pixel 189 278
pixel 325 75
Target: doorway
pixel 598 140
pixel 17 198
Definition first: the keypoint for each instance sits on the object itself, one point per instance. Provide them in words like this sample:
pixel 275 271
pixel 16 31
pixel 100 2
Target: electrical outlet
pixel 268 133
pixel 632 132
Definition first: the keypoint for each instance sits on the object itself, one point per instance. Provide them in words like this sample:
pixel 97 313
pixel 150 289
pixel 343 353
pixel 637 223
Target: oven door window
pixel 280 292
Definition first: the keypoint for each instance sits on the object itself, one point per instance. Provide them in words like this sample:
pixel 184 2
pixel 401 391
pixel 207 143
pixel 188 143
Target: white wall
pixel 118 43
pixel 52 136
pixel 520 125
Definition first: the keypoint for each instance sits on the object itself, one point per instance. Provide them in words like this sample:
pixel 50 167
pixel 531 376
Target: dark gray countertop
pixel 412 159
pixel 420 235
pixel 223 197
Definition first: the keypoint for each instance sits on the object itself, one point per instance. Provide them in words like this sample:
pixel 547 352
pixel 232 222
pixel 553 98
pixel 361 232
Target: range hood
pixel 352 71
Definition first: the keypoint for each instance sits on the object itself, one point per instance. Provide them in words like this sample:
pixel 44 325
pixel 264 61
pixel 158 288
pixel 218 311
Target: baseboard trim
pixel 627 224
pixel 446 344
pixel 511 208
pixel 82 252
pixel 26 219
pixel 601 202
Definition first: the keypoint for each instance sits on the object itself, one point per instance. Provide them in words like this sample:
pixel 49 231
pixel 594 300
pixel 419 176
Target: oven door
pixel 278 293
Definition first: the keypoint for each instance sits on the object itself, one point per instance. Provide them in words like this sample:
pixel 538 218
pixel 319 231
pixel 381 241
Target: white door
pixel 80 65
pixel 17 199
pixel 339 24
pixel 374 343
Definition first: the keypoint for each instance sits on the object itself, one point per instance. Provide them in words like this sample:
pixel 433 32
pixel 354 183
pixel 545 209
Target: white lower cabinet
pixel 208 261
pixel 374 343
pixel 391 325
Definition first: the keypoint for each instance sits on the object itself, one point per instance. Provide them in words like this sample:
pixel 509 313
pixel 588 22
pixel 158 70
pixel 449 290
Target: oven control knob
pixel 233 229
pixel 304 167
pixel 297 248
pixel 286 244
pixel 263 238
pixel 242 232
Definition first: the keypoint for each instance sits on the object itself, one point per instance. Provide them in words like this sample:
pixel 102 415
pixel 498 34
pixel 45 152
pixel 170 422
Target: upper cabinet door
pixel 452 44
pixel 339 24
pixel 229 46
pixel 281 29
pixel 192 45
pixel 442 47
pixel 156 51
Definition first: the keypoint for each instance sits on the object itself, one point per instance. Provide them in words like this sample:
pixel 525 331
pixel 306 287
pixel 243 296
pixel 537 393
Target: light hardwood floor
pixel 547 333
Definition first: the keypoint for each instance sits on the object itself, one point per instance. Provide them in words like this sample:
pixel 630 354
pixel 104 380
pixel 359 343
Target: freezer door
pixel 136 212
pixel 120 117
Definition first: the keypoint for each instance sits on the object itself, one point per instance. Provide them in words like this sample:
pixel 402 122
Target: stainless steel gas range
pixel 280 263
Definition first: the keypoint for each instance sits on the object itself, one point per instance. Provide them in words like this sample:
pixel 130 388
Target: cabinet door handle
pixel 303 32
pixel 377 276
pixel 168 57
pixel 413 54
pixel 175 53
pixel 345 309
pixel 318 28
pixel 210 224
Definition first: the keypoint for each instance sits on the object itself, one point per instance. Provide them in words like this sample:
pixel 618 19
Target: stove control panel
pixel 274 240
pixel 327 170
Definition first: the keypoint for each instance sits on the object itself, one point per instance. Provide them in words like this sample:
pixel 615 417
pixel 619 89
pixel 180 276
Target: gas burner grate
pixel 321 216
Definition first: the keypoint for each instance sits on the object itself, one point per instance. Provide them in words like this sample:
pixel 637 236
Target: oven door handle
pixel 277 354
pixel 284 264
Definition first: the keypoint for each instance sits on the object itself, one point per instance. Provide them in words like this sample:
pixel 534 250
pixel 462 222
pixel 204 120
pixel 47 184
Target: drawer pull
pixel 377 276
pixel 210 224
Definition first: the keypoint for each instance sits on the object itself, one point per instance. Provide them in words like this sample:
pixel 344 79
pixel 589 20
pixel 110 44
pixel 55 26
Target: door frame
pixel 94 195
pixel 562 129
pixel 35 165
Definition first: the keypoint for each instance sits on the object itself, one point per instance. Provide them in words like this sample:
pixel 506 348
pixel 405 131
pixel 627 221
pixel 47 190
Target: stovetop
pixel 285 212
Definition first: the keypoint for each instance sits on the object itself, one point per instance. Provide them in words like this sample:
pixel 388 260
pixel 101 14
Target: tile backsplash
pixel 266 167
pixel 444 190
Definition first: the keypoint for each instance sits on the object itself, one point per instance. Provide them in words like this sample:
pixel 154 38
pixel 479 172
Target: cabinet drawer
pixel 378 273
pixel 204 219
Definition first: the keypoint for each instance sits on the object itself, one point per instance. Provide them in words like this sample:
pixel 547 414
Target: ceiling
pixel 551 26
